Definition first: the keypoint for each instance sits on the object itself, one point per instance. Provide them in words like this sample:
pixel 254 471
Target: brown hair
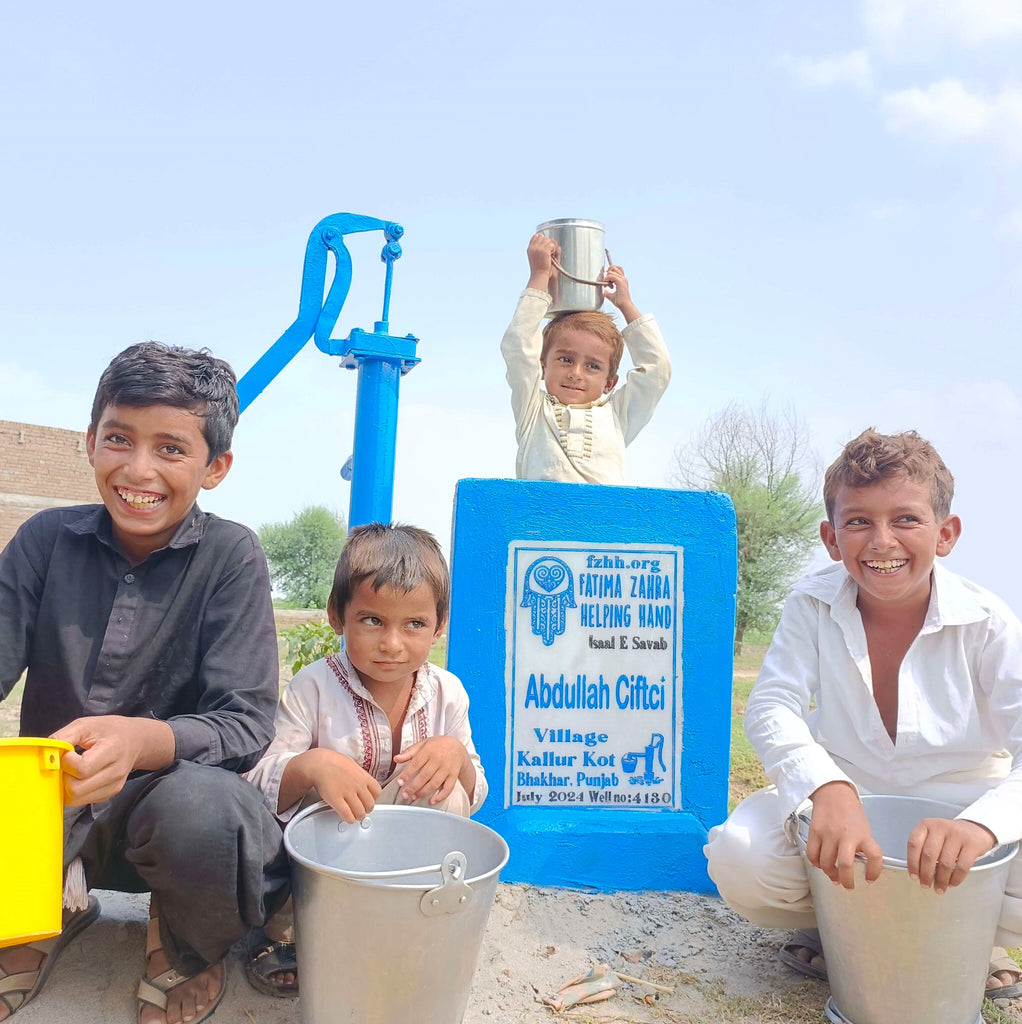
pixel 392 555
pixel 588 320
pixel 873 456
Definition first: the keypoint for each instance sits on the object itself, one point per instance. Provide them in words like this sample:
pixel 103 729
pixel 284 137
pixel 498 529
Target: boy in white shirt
pixel 887 674
pixel 577 429
pixel 375 723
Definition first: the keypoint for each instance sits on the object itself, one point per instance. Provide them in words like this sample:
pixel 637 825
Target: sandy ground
pixel 723 968
pixel 536 939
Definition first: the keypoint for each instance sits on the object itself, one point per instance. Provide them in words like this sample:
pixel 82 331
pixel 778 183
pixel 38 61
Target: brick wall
pixel 40 467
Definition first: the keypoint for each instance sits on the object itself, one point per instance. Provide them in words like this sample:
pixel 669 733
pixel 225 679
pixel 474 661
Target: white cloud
pixel 948 112
pixel 895 25
pixel 852 68
pixel 1013 222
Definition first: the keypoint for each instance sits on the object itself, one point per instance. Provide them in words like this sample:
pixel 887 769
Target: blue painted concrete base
pixel 542 709
pixel 604 850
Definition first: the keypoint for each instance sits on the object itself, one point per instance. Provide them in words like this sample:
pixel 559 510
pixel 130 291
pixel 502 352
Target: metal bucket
pixel 896 951
pixel 390 913
pixel 578 285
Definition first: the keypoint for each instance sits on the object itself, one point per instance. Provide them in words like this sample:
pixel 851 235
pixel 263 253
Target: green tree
pixel 765 464
pixel 302 554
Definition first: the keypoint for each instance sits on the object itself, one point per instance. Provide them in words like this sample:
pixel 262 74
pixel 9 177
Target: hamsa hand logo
pixel 548 590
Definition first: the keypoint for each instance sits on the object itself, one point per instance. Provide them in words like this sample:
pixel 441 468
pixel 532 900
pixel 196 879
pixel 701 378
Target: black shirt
pixel 187 636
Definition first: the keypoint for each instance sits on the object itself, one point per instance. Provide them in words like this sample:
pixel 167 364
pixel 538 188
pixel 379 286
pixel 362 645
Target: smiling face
pixel 388 633
pixel 150 463
pixel 887 535
pixel 576 368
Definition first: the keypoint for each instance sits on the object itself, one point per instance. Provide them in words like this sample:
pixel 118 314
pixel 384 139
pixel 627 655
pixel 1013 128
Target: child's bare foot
pixel 24 969
pixel 803 952
pixel 190 1000
pixel 272 967
pixel 1005 980
pixel 16 960
pixel 167 997
pixel 1002 979
pixel 810 956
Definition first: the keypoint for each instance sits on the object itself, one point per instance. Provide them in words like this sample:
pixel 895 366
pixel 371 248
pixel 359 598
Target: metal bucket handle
pixel 793 830
pixel 581 280
pixel 367 823
pixel 453 894
pixel 397 873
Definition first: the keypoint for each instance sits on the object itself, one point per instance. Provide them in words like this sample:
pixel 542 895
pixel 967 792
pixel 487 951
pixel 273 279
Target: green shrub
pixel 309 642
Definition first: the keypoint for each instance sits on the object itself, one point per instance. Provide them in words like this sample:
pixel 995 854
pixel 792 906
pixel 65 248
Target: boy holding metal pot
pixel 886 675
pixel 576 430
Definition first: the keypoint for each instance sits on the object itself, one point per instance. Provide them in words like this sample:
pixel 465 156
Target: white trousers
pixel 760 874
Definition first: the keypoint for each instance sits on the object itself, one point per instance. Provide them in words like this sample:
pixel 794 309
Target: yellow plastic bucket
pixel 32 848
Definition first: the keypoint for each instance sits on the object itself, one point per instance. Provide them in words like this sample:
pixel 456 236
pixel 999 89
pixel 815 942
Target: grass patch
pixel 748 662
pixel 995 1015
pixel 747 773
pixel 800 1005
pixel 438 652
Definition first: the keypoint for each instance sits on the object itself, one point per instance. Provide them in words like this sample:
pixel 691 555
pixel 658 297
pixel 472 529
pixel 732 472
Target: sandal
pixel 266 958
pixel 1000 963
pixel 153 991
pixel 805 940
pixel 18 989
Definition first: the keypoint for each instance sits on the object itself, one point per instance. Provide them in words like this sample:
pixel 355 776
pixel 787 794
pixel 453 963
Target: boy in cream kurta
pixel 374 723
pixel 577 429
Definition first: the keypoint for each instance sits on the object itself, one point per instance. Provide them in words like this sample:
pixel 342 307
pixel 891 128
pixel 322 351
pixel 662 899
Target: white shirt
pixel 812 718
pixel 579 443
pixel 326 705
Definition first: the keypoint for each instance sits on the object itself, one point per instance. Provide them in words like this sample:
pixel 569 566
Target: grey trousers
pixel 202 841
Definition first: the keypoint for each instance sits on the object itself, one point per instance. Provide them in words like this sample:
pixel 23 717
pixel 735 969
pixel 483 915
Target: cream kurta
pixel 579 443
pixel 326 705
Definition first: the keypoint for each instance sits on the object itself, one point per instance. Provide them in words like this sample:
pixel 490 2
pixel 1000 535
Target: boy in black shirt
pixel 146 629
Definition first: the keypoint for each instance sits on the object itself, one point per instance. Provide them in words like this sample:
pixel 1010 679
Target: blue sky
pixel 821 203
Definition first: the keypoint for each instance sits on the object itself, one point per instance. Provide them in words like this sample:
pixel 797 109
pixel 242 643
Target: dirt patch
pixel 10 712
pixel 285 618
pixel 722 969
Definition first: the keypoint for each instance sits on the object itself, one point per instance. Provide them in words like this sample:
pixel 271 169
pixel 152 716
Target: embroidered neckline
pixel 563 416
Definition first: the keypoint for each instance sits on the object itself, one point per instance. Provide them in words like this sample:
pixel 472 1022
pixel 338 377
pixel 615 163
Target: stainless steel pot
pixel 390 913
pixel 579 282
pixel 896 951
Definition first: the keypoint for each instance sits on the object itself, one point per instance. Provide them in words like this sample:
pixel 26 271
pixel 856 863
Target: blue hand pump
pixel 380 357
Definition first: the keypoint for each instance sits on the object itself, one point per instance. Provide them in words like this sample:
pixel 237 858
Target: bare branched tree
pixel 767 466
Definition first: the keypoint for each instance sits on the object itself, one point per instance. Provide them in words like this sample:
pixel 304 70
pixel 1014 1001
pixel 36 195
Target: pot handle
pixel 794 822
pixel 453 894
pixel 581 280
